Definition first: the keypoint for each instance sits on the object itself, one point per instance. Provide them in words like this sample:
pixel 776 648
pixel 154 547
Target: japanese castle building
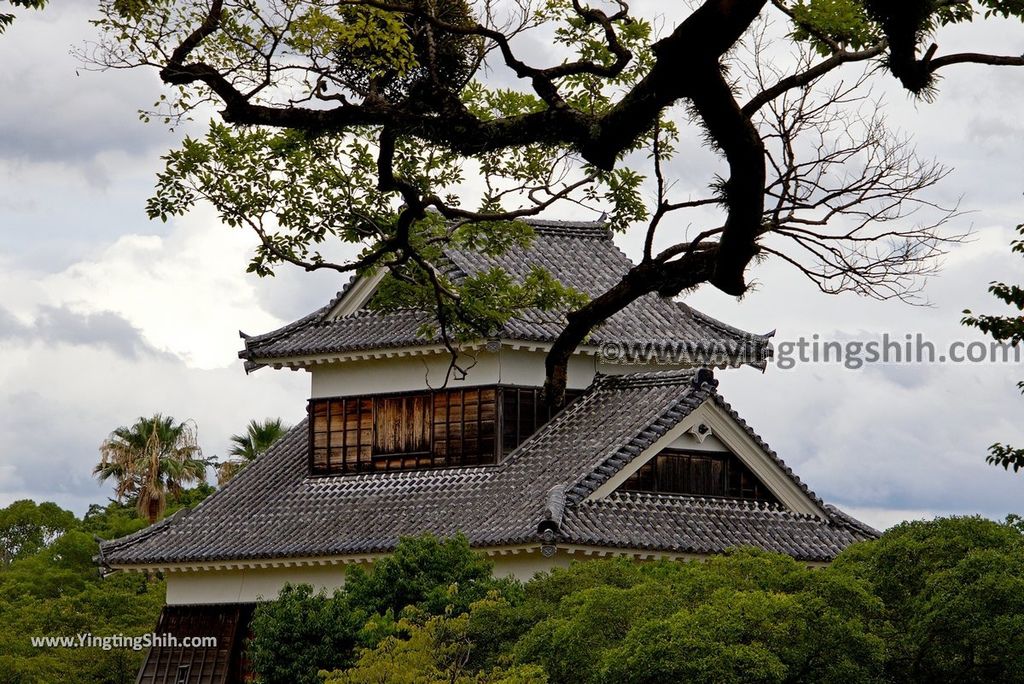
pixel 647 461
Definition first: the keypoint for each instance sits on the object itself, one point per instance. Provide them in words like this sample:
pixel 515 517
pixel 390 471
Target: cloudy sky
pixel 107 316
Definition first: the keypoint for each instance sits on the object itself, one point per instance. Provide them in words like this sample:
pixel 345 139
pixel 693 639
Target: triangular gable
pixel 582 256
pixel 586 275
pixel 356 295
pixel 722 424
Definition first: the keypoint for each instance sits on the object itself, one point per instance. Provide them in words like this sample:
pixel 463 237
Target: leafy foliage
pixel 301 633
pixel 435 576
pixel 296 191
pixel 486 300
pixel 953 591
pixel 257 438
pixel 859 23
pixel 824 23
pixel 1008 329
pixel 429 650
pixel 371 134
pixel 938 601
pixel 750 616
pixel 26 528
pixel 51 585
pixel 150 459
pixel 1005 455
pixel 6 18
pixel 301 190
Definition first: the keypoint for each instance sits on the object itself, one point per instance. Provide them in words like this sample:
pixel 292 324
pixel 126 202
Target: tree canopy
pixel 303 632
pixel 928 602
pixel 50 585
pixel 398 127
pixel 259 436
pixel 149 459
pixel 27 527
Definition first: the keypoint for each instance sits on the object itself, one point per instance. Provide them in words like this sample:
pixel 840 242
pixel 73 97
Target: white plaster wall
pixel 264 584
pixel 607 368
pixel 408 373
pixel 523 566
pixel 247 585
pixel 402 374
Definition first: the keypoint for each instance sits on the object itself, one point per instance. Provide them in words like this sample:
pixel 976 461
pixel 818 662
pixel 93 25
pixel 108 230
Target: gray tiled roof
pixel 581 255
pixel 653 521
pixel 274 509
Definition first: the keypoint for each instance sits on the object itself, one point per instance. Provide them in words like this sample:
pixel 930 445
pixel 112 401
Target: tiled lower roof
pixel 274 509
pixel 694 525
pixel 581 255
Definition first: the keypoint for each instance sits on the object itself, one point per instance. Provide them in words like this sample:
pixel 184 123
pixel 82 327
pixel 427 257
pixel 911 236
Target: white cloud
pixel 144 325
pixel 184 292
pixel 884 518
pixel 60 400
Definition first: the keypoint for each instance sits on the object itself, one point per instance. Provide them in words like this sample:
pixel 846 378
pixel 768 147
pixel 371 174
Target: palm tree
pixel 257 438
pixel 150 459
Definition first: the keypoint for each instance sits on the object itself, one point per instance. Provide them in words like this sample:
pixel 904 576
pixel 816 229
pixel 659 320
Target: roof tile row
pixel 274 509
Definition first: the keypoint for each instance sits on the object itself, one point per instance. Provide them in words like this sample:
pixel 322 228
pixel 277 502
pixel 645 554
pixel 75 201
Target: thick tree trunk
pixel 667 279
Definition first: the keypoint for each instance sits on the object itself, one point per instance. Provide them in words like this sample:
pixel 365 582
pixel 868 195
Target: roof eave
pixel 680 358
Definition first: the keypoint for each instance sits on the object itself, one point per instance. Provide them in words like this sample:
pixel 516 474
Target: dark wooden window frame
pixel 512 432
pixel 760 491
pixel 500 448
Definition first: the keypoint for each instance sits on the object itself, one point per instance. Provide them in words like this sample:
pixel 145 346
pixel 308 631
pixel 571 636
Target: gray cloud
pixel 59 325
pixel 994 130
pixel 61 403
pixel 60 112
pixel 292 293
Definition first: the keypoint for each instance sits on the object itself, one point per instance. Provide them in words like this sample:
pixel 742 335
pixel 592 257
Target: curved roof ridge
pixel 719 325
pixel 398 311
pixel 316 315
pixel 843 518
pixel 661 378
pixel 284 329
pixel 566 228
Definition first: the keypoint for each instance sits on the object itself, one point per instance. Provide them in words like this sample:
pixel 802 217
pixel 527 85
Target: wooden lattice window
pixel 435 429
pixel 342 434
pixel 700 473
pixel 464 426
pixel 404 431
pixel 524 411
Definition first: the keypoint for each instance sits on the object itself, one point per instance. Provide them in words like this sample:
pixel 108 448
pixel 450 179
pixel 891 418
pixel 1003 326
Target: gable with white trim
pixel 708 430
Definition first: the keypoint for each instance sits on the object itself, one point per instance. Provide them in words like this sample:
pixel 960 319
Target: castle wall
pixel 409 373
pixel 249 585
